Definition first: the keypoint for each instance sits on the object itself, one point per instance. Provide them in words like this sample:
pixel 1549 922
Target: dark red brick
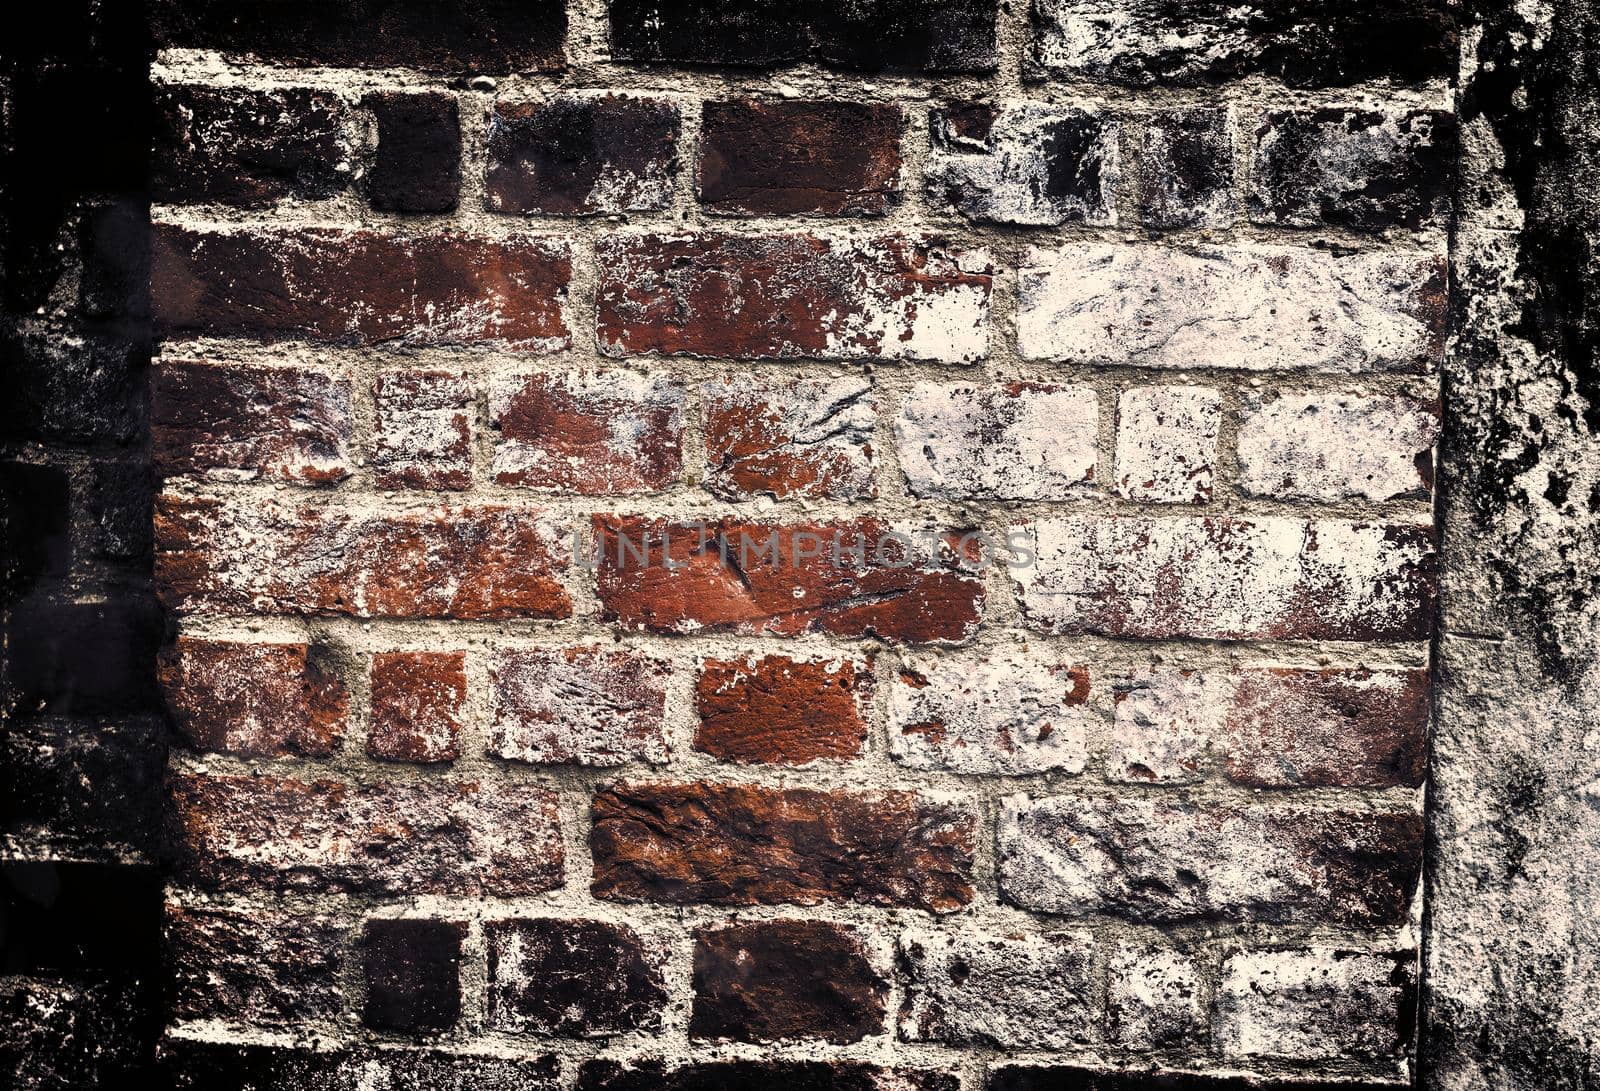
pixel 254 700
pixel 418 704
pixel 416 166
pixel 799 437
pixel 572 978
pixel 782 710
pixel 258 967
pixel 413 974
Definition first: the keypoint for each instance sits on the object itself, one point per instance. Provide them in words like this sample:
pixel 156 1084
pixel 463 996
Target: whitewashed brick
pixel 1167 443
pixel 1155 997
pixel 1337 447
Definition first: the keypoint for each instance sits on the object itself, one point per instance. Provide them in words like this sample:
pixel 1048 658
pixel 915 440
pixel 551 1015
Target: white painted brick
pixel 1155 997
pixel 1167 443
pixel 1337 447
pixel 1165 721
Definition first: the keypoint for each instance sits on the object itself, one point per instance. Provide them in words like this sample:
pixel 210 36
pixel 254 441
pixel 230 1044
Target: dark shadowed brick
pixel 572 978
pixel 83 788
pixel 114 236
pixel 1186 168
pixel 576 154
pixel 88 388
pixel 121 496
pixel 766 1075
pixel 1062 1078
pixel 260 967
pixel 83 658
pixel 191 1065
pixel 33 526
pixel 413 974
pixel 75 918
pixel 417 164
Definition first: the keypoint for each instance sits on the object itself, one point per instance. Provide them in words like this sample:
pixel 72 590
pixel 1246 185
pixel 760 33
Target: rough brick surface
pixel 255 967
pixel 1028 164
pixel 578 706
pixel 1337 447
pixel 894 297
pixel 572 978
pixel 782 1075
pixel 784 158
pixel 786 439
pixel 1017 441
pixel 783 711
pixel 578 154
pixel 418 704
pixel 422 437
pixel 725 844
pixel 1250 307
pixel 1186 168
pixel 412 968
pixel 1167 443
pixel 193 1065
pixel 254 700
pixel 416 166
pixel 1154 997
pixel 1007 714
pixel 770 980
pixel 77 790
pixel 1006 992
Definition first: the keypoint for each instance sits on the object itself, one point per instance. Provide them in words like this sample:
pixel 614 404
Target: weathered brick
pixel 1167 443
pixel 1025 163
pixel 1229 578
pixel 1012 441
pixel 83 658
pixel 800 437
pixel 1186 168
pixel 782 1075
pixel 572 978
pixel 894 297
pixel 244 832
pixel 928 35
pixel 71 387
pixel 783 579
pixel 729 844
pixel 1337 447
pixel 589 433
pixel 238 556
pixel 1057 1077
pixel 582 153
pixel 1362 169
pixel 478 35
pixel 418 705
pixel 413 974
pixel 330 284
pixel 416 166
pixel 1170 860
pixel 1155 997
pixel 1316 1004
pixel 776 158
pixel 769 980
pixel 1006 714
pixel 1334 44
pixel 423 432
pixel 248 147
pixel 238 422
pixel 578 706
pixel 1166 718
pixel 77 790
pixel 194 1065
pixel 258 967
pixel 254 700
pixel 1250 307
pixel 781 710
pixel 1007 992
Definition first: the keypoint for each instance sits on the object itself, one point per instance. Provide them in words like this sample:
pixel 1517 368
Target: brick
pixel 1363 169
pixel 61 1035
pixel 794 438
pixel 78 790
pixel 35 526
pixel 255 700
pixel 1317 1005
pixel 476 35
pixel 590 433
pixel 418 705
pixel 1248 307
pixel 1170 860
pixel 1186 168
pixel 68 387
pixel 416 166
pixel 81 919
pixel 1229 578
pixel 1011 441
pixel 356 286
pixel 765 981
pixel 1155 997
pixel 249 148
pixel 728 844
pixel 433 837
pixel 795 157
pixel 1005 714
pixel 578 706
pixel 121 497
pixel 422 437
pixel 114 237
pixel 572 978
pixel 83 658
pixel 997 991
pixel 259 967
pixel 1337 447
pixel 783 580
pixel 932 36
pixel 236 422
pixel 220 556
pixel 582 153
pixel 894 297
pixel 782 1075
pixel 1167 443
pixel 193 1065
pixel 1029 164
pixel 1056 1077
pixel 1143 42
pixel 781 710
pixel 413 974
pixel 1165 721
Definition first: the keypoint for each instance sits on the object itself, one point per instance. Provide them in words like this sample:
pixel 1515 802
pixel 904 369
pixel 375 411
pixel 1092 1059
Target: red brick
pixel 261 967
pixel 781 710
pixel 263 832
pixel 413 974
pixel 578 706
pixel 356 286
pixel 243 556
pixel 896 297
pixel 254 700
pixel 422 438
pixel 574 978
pixel 732 844
pixel 796 438
pixel 240 422
pixel 922 601
pixel 581 153
pixel 774 158
pixel 418 703
pixel 587 433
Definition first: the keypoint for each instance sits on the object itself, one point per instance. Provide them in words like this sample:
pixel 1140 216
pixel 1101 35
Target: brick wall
pixel 457 303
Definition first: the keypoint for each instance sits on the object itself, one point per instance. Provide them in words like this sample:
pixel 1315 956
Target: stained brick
pixel 254 700
pixel 1009 992
pixel 783 1075
pixel 422 437
pixel 1186 168
pixel 194 1065
pixel 413 974
pixel 418 704
pixel 1337 447
pixel 259 967
pixel 1155 997
pixel 572 978
pixel 583 153
pixel 416 166
pixel 789 438
pixel 578 706
pixel 1167 443
pixel 781 710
